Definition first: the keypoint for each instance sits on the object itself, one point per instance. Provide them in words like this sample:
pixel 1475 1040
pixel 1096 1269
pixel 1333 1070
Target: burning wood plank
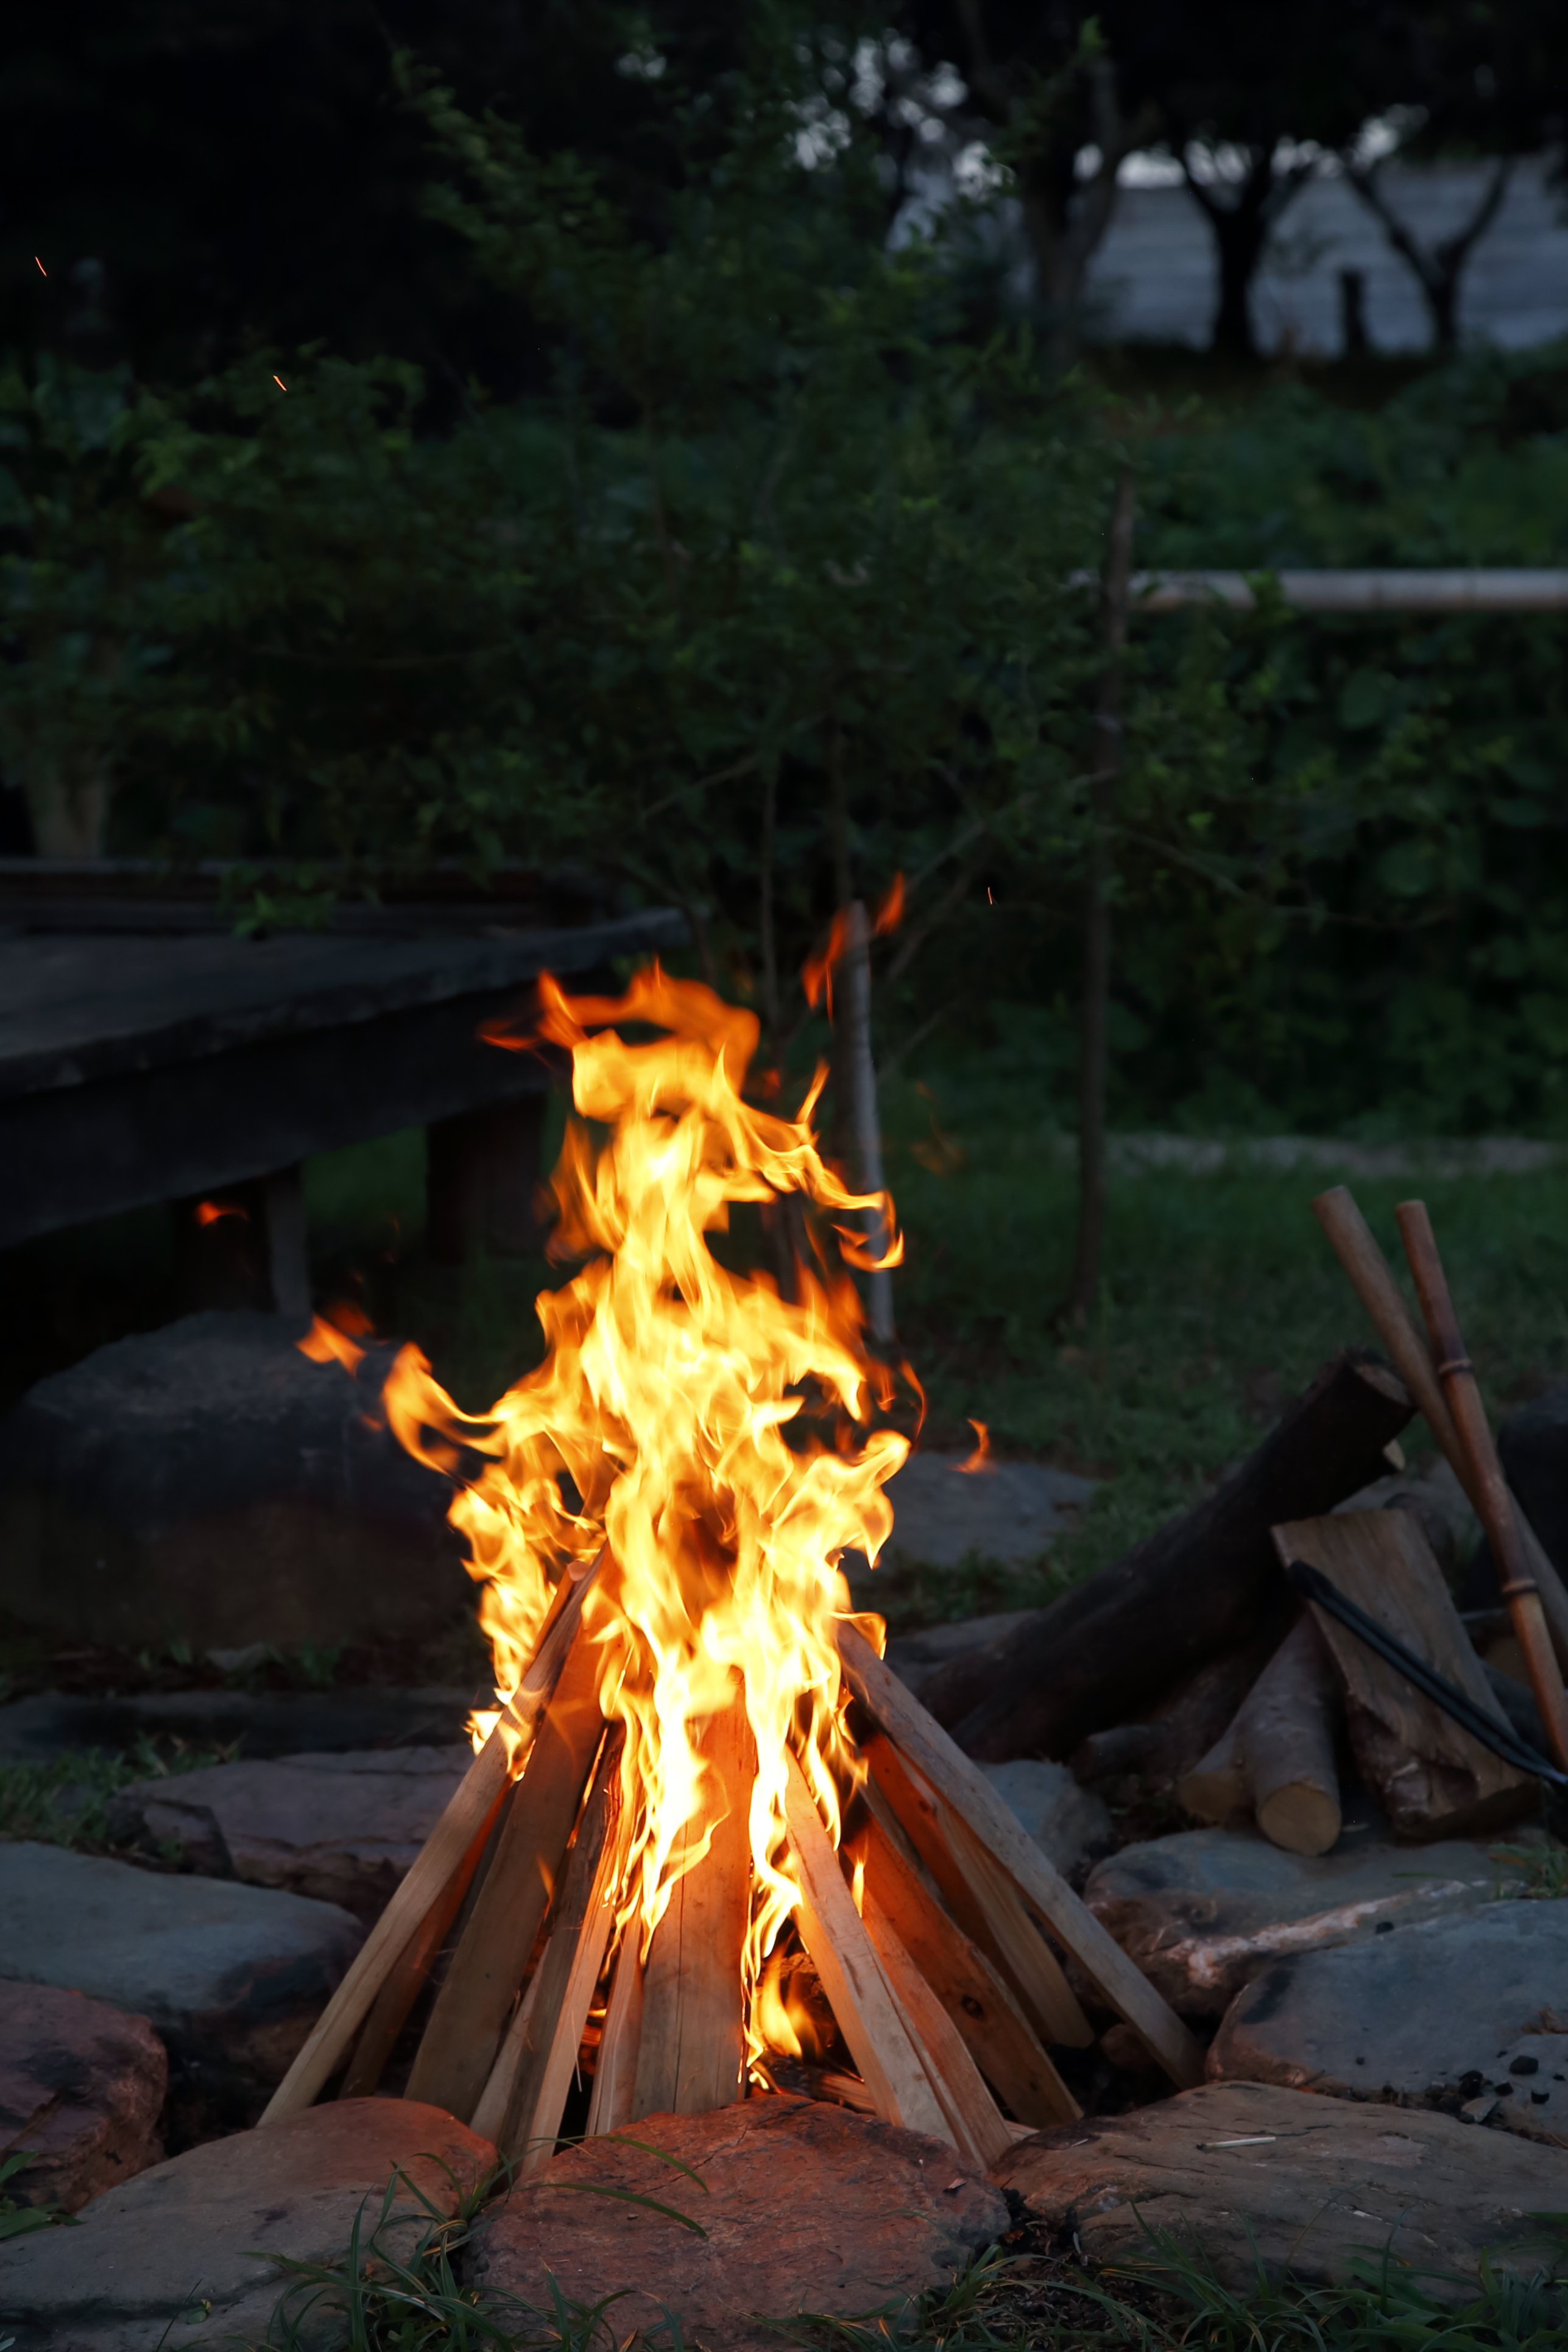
pixel 470 1808
pixel 542 2059
pixel 692 2032
pixel 465 2025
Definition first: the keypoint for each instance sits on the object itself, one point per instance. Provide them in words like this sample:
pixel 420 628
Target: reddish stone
pixel 82 2085
pixel 805 2208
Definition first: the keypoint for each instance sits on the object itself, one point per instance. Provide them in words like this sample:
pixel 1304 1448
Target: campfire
pixel 710 1848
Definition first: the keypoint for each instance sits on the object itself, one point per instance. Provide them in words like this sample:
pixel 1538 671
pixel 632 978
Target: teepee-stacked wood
pixel 943 1981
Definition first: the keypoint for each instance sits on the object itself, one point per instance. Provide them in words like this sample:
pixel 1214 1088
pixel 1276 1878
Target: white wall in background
pixel 1154 278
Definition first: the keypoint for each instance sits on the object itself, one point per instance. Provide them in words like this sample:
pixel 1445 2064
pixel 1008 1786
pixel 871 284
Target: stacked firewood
pixel 1193 1663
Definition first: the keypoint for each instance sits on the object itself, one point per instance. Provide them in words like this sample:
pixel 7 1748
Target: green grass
pixel 399 2286
pixel 65 1801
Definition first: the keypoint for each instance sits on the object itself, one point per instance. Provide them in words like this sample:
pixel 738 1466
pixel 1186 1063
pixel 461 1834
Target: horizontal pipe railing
pixel 1477 591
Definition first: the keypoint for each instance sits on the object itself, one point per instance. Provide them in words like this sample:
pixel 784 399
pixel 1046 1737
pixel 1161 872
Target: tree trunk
pixel 1439 270
pixel 1241 230
pixel 1201 1584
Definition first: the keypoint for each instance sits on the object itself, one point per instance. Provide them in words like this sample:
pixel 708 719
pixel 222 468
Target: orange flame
pixel 816 972
pixel 656 1423
pixel 327 1341
pixel 209 1211
pixel 981 1457
pixel 891 913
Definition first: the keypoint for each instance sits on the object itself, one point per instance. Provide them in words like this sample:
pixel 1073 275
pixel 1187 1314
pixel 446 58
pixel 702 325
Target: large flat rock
pixel 1202 1912
pixel 232 1978
pixel 1008 1511
pixel 1244 2172
pixel 343 1829
pixel 806 2207
pixel 208 1481
pixel 1467 2013
pixel 179 2256
pixel 82 2086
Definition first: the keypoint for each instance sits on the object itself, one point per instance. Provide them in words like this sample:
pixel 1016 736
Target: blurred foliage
pixel 762 592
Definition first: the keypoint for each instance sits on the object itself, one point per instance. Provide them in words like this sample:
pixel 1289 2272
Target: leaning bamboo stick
pixel 569 1970
pixel 470 1805
pixel 1493 1502
pixel 465 2025
pixel 1353 1245
pixel 835 1934
pixel 952 1776
pixel 981 1896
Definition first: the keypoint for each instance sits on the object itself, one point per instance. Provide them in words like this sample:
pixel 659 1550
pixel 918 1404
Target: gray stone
pixel 231 1976
pixel 805 2208
pixel 1439 2015
pixel 180 2256
pixel 1007 1512
pixel 1068 1823
pixel 1243 2173
pixel 252 1723
pixel 80 2089
pixel 211 1483
pixel 1202 1912
pixel 342 1828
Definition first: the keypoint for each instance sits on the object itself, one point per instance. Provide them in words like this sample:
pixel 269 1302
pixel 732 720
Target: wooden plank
pixel 389 2010
pixel 1433 1778
pixel 692 2044
pixel 965 1790
pixel 981 1897
pixel 613 2104
pixel 835 1934
pixel 979 2003
pixel 461 2042
pixel 468 1809
pixel 563 1986
pixel 489 2113
pixel 973 2115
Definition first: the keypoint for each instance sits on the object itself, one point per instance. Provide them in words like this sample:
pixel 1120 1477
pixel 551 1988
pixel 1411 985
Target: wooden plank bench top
pixel 137 1068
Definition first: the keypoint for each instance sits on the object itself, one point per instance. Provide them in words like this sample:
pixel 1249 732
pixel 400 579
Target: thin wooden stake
pixel 973 1993
pixel 981 1896
pixel 973 2115
pixel 467 1811
pixel 459 2049
pixel 693 2036
pixel 845 1958
pixel 922 1742
pixel 613 2105
pixel 389 2010
pixel 569 1970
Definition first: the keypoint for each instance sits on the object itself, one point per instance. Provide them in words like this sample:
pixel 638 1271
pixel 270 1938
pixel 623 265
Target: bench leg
pixel 482 1170
pixel 244 1245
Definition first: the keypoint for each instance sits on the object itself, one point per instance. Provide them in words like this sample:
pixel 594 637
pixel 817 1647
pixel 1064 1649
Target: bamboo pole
pixel 865 1136
pixel 465 2025
pixel 1094 1035
pixel 835 1934
pixel 1493 1502
pixel 1354 1246
pixel 922 1742
pixel 471 1806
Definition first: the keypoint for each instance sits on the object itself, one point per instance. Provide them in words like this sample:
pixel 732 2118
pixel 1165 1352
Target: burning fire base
pixel 702 1787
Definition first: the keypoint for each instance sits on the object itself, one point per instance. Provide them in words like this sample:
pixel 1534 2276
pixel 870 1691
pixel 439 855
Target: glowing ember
pixel 711 1432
